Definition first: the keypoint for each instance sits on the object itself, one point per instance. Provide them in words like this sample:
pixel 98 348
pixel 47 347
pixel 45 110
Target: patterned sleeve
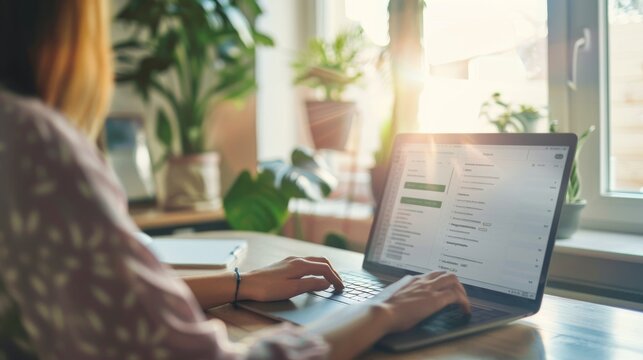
pixel 84 287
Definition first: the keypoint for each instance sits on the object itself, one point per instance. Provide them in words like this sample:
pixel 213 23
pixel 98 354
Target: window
pixel 472 50
pixel 581 58
pixel 476 48
pixel 625 91
pixel 603 86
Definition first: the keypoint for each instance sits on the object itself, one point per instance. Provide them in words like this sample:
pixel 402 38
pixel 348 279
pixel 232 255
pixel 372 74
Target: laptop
pixel 482 206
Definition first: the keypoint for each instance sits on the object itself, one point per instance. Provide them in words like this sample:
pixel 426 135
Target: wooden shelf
pixel 154 218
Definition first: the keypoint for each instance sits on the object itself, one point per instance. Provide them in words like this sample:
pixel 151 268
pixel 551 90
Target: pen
pixel 236 251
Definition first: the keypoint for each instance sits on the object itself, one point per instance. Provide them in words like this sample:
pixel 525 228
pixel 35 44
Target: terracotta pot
pixel 193 182
pixel 378 182
pixel 330 123
pixel 569 219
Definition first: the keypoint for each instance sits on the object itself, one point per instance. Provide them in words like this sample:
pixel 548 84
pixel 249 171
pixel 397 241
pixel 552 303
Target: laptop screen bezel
pixel 561 139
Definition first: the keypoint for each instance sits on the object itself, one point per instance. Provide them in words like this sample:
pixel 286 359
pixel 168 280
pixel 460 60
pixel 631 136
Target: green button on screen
pixel 421 202
pixel 423 186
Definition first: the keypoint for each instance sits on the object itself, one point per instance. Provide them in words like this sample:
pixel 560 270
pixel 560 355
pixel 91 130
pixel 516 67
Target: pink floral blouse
pixel 74 281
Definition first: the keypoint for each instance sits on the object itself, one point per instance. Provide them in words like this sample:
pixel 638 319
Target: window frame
pixel 588 105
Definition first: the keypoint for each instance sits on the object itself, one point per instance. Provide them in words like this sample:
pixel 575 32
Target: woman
pixel 74 281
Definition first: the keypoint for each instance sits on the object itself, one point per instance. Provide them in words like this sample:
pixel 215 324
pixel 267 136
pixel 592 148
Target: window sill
pixel 599 266
pixel 603 245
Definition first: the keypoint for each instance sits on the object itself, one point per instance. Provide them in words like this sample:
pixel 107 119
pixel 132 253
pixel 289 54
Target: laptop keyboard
pixel 358 287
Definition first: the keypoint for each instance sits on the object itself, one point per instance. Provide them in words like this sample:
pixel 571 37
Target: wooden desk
pixel 563 329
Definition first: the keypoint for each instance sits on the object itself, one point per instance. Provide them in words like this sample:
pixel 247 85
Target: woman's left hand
pixel 287 278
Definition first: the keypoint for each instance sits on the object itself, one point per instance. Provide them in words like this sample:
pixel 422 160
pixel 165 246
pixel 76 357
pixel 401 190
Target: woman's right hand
pixel 397 308
pixel 414 298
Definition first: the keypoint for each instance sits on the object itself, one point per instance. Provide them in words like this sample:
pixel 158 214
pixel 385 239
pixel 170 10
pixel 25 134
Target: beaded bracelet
pixel 235 303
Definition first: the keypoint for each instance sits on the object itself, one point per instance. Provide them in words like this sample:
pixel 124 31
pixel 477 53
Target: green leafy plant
pixel 331 66
pixel 507 116
pixel 260 203
pixel 573 195
pixel 188 52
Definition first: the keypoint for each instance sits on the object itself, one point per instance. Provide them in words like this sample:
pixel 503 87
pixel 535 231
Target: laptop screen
pixel 483 212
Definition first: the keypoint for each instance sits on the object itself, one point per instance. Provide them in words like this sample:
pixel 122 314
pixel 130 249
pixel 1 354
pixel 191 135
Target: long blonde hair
pixel 70 57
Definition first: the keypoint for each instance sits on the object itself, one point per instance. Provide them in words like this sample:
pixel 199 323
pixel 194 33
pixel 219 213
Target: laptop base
pixel 308 308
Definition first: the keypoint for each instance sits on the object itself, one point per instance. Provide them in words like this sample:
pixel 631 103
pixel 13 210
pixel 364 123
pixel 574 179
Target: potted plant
pixel 574 203
pixel 260 202
pixel 523 118
pixel 331 67
pixel 189 53
pixel 507 117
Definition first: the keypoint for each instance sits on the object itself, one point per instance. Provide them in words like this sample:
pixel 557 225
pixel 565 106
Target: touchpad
pixel 301 309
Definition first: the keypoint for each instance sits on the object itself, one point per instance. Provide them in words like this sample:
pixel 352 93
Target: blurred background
pixel 278 115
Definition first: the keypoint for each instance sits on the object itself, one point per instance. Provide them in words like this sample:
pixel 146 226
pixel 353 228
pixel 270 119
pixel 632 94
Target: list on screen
pixel 483 212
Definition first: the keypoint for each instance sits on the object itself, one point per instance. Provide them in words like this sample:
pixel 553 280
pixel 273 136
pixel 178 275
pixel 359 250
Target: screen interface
pixel 483 212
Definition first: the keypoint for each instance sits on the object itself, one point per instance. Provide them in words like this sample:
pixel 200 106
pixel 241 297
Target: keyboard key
pixel 357 287
pixel 346 301
pixel 323 294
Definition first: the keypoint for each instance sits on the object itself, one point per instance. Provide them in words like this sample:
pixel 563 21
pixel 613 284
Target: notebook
pixel 199 253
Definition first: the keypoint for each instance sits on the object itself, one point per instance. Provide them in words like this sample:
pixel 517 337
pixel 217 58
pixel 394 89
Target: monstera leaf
pixel 261 203
pixel 307 178
pixel 255 204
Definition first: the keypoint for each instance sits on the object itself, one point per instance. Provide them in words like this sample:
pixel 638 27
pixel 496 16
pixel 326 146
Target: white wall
pixel 280 106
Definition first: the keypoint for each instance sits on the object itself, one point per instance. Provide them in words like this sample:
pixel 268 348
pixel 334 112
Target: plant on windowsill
pixel 521 118
pixel 574 203
pixel 331 67
pixel 508 117
pixel 190 54
pixel 260 202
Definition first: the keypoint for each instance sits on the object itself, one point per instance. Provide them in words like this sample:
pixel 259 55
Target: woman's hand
pixel 414 298
pixel 398 307
pixel 287 278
